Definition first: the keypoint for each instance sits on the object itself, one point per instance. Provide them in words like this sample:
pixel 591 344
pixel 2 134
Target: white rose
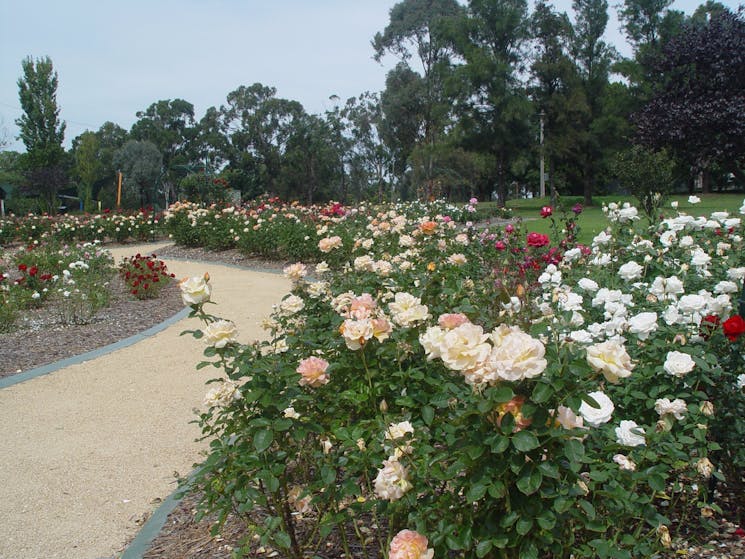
pixel 643 324
pixel 195 290
pixel 628 433
pixel 357 332
pixel 624 462
pixel 677 408
pixel 630 271
pixel 597 416
pixel 678 364
pixel 392 481
pixel 611 359
pixel 694 199
pixel 220 333
pixel 587 284
pixel 398 430
pixel 431 341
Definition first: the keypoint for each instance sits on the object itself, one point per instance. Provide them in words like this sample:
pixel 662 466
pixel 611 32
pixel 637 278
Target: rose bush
pixel 525 400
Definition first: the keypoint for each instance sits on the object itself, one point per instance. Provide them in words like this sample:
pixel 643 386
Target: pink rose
pixel 313 372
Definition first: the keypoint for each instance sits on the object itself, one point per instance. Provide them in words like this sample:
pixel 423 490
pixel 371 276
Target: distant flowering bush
pixel 535 400
pixel 145 276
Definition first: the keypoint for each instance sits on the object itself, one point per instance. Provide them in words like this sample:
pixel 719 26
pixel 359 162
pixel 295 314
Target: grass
pixel 592 220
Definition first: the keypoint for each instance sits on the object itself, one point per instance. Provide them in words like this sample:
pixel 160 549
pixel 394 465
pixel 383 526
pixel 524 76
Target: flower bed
pixel 483 393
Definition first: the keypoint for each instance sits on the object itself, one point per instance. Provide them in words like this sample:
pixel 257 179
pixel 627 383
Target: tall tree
pixel 88 166
pixel 258 125
pixel 310 160
pixel 593 57
pixel 141 164
pixel 493 107
pixel 41 129
pixel 369 156
pixel 698 109
pixel 556 92
pixel 169 124
pixel 418 27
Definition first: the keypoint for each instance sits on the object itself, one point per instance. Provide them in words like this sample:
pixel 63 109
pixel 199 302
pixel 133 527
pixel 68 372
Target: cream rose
pixel 220 333
pixel 407 309
pixel 195 290
pixel 518 356
pixel 222 395
pixel 392 481
pixel 611 359
pixel 464 347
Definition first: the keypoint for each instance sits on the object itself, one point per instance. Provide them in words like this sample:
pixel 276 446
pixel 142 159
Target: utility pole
pixel 543 173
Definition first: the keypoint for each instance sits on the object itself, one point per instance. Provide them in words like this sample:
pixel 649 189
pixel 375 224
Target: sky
pixel 115 58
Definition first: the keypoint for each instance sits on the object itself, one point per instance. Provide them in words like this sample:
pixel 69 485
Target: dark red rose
pixel 734 327
pixel 546 211
pixel 22 267
pixel 708 324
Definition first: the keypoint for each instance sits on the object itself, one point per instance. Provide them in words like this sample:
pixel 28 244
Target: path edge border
pixel 94 353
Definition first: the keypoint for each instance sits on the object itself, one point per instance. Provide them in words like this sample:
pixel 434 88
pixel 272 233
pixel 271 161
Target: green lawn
pixel 592 220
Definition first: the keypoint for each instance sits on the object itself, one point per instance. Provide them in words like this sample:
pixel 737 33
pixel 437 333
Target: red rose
pixel 537 240
pixel 32 271
pixel 734 327
pixel 22 267
pixel 546 211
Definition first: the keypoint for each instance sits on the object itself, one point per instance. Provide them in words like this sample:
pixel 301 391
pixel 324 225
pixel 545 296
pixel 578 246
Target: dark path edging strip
pixel 76 359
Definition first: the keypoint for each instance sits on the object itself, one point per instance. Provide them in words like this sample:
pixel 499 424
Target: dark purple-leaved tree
pixel 698 107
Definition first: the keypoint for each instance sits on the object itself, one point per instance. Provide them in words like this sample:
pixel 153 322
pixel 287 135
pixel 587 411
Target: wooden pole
pixel 119 191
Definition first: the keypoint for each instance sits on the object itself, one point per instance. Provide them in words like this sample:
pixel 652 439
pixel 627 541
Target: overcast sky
pixel 115 58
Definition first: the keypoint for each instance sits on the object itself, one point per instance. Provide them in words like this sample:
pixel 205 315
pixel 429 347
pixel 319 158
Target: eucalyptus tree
pixel 41 130
pixel 88 166
pixel 310 160
pixel 258 126
pixel 170 125
pixel 418 28
pixel 141 164
pixel 370 159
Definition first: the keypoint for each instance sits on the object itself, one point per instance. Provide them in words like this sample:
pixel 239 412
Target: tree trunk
pixel 588 180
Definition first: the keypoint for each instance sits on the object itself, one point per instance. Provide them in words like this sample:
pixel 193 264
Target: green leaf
pixel 530 482
pixel 656 482
pixel 524 526
pixel 476 492
pixel 283 540
pixel 428 414
pixel 328 475
pixel 263 439
pixel 525 441
pixel 574 450
pixel 541 393
pixel 483 548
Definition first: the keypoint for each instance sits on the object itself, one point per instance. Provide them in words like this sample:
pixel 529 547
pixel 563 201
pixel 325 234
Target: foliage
pixel 87 166
pixel 389 392
pixel 41 130
pixel 140 162
pixel 698 109
pixel 647 175
pixel 74 278
pixel 145 276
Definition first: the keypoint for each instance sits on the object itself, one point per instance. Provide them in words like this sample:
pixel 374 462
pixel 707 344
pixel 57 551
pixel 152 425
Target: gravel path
pixel 88 451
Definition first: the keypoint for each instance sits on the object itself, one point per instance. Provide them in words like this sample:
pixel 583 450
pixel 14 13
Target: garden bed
pixel 40 337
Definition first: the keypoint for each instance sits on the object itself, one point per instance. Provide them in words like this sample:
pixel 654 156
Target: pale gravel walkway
pixel 86 451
